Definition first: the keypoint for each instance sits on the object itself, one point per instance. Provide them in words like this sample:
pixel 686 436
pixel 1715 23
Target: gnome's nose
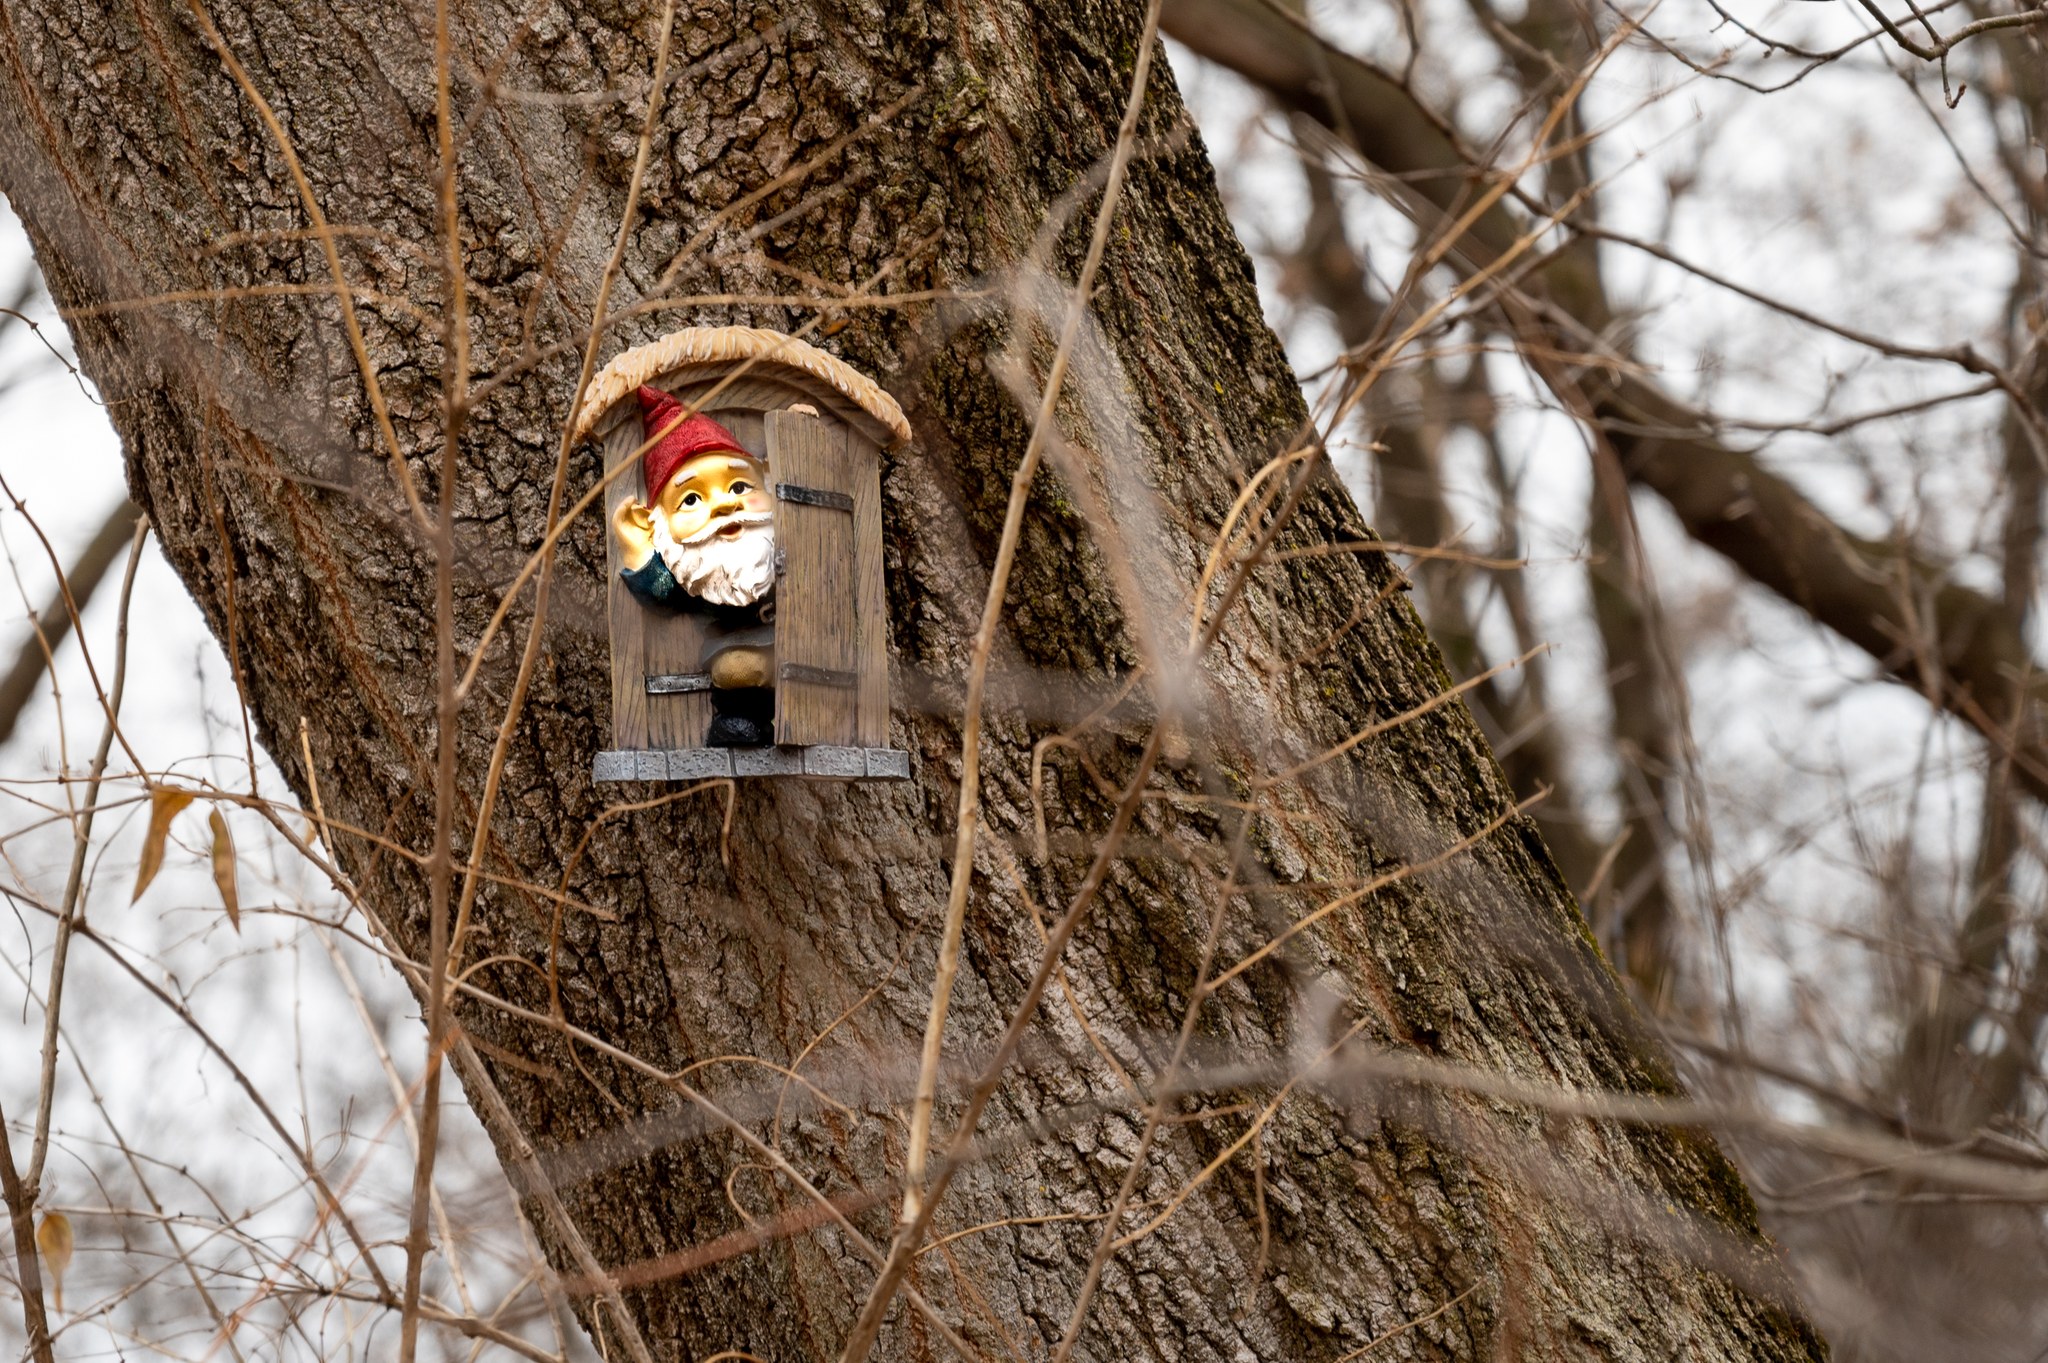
pixel 725 504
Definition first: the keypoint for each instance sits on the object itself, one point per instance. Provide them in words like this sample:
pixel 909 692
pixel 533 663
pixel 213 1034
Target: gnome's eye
pixel 691 499
pixel 741 488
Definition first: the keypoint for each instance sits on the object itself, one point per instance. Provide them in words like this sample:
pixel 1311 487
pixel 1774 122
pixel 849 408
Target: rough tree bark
pixel 826 142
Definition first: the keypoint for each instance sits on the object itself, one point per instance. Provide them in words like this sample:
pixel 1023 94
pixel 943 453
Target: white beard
pixel 726 570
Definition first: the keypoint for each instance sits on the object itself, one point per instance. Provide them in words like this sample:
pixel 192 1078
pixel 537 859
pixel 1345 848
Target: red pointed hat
pixel 685 441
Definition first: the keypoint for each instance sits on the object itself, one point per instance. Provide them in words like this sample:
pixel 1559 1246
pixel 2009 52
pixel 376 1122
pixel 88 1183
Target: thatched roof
pixel 770 351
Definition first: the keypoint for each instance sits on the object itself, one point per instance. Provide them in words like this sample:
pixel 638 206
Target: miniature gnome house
pixel 688 409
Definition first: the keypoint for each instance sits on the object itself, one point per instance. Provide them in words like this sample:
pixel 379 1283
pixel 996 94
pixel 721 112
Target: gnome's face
pixel 706 492
pixel 714 528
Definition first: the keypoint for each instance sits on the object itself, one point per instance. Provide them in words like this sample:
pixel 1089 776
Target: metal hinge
pixel 818 676
pixel 677 683
pixel 813 496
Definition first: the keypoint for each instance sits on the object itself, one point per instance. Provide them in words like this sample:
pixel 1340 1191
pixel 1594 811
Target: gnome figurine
pixel 704 542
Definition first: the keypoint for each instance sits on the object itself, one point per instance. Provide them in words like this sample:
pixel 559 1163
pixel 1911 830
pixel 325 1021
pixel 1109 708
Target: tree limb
pixel 1894 602
pixel 48 629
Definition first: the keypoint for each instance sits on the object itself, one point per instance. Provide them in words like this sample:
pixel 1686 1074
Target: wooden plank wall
pixel 645 638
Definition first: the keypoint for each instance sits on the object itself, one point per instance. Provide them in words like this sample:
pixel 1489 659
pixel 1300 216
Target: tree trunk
pixel 836 142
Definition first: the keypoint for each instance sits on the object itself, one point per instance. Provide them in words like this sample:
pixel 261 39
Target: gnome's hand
pixel 633 523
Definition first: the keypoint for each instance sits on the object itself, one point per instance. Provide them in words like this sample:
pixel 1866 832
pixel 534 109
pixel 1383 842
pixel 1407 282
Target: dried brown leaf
pixel 224 868
pixel 164 804
pixel 53 1238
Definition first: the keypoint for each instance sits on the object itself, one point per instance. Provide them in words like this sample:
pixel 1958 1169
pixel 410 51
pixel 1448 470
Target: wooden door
pixel 870 596
pixel 817 677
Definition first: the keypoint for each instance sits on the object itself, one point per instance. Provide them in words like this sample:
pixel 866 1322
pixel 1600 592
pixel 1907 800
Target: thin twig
pixel 968 818
pixel 21 1213
pixel 448 717
pixel 69 914
pixel 341 290
pixel 494 775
